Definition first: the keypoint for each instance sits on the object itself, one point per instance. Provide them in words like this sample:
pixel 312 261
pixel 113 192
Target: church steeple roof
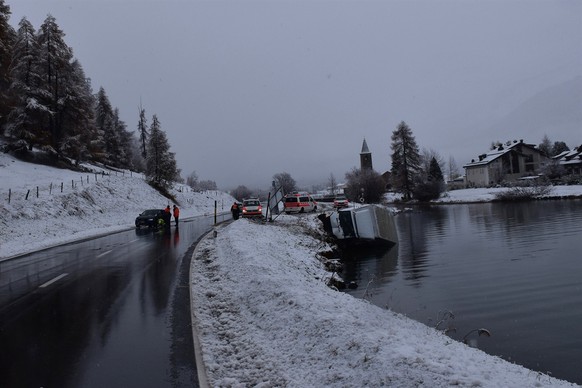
pixel 365 149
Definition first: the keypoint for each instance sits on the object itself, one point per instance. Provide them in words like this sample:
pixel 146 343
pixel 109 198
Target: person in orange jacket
pixel 235 210
pixel 167 216
pixel 176 214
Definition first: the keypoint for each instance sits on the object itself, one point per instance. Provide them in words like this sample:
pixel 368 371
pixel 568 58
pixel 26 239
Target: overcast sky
pixel 247 89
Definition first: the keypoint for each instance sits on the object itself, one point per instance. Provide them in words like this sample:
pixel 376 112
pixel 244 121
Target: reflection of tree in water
pixel 159 276
pixel 413 227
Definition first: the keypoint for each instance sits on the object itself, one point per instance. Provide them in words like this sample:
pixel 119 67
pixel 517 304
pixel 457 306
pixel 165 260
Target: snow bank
pixel 265 317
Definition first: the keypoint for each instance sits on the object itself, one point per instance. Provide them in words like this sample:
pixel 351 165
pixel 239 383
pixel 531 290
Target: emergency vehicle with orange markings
pixel 299 203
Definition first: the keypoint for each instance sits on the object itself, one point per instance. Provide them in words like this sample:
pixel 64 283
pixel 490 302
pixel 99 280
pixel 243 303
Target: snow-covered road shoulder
pixel 265 317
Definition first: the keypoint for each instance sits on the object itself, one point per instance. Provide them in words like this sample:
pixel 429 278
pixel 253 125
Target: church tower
pixel 365 157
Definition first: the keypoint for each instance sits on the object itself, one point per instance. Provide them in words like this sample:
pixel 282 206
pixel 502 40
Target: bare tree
pixel 332 184
pixel 284 180
pixel 453 169
pixel 192 180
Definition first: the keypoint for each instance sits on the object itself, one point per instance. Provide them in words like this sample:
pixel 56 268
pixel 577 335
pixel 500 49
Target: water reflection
pixel 511 268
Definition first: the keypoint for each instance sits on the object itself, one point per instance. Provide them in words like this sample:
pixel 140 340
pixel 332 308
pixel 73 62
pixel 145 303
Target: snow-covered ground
pixel 265 318
pixel 104 204
pixel 263 314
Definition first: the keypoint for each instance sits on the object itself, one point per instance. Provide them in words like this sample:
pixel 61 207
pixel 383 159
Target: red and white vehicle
pixel 340 201
pixel 252 207
pixel 299 203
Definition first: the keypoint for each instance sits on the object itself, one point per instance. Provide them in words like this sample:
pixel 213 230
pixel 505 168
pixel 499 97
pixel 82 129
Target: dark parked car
pixel 149 218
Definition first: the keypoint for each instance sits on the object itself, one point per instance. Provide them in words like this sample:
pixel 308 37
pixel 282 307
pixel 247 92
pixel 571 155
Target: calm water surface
pixel 514 269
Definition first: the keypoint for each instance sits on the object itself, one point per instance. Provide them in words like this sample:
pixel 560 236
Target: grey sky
pixel 248 89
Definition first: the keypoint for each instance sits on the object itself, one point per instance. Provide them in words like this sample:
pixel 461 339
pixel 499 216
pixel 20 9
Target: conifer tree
pixel 161 169
pixel 77 120
pixel 142 129
pixel 405 160
pixel 435 173
pixel 104 122
pixel 25 119
pixel 55 66
pixel 7 37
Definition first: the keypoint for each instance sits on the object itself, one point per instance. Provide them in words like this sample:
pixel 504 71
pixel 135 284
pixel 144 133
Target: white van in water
pixel 299 203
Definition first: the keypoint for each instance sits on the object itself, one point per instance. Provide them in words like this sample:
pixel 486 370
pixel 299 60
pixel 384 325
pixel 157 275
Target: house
pixel 571 160
pixel 507 162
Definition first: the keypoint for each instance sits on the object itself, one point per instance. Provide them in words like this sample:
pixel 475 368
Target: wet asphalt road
pixel 108 312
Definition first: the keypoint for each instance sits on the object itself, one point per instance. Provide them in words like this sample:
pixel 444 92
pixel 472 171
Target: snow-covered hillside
pixel 89 204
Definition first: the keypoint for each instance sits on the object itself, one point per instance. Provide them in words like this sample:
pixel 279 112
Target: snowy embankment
pixel 90 204
pixel 265 317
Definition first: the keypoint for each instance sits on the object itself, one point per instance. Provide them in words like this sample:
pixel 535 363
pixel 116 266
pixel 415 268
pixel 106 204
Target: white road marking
pixel 53 280
pixel 105 253
pixel 132 241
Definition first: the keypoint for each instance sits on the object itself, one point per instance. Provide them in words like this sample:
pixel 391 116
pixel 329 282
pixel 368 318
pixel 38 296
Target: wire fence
pixel 62 187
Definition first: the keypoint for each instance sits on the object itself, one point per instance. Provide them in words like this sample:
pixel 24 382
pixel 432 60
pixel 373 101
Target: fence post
pixel 72 183
pixel 36 191
pixel 28 192
pixel 61 187
pixel 9 194
pixel 51 188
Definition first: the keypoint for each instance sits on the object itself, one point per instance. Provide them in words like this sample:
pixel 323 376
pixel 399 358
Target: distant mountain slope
pixel 555 111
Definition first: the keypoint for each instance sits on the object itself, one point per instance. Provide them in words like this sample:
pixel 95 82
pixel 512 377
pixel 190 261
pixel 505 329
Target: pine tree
pixel 161 169
pixel 435 173
pixel 7 38
pixel 142 129
pixel 405 160
pixel 26 117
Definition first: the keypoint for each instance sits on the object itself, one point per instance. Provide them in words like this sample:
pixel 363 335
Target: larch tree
pixel 56 67
pixel 105 127
pixel 7 38
pixel 26 117
pixel 406 162
pixel 142 130
pixel 77 121
pixel 161 168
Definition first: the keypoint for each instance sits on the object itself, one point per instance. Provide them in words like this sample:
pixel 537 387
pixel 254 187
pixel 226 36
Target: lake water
pixel 514 269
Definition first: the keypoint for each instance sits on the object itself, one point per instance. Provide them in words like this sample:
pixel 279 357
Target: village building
pixel 507 162
pixel 571 161
pixel 365 157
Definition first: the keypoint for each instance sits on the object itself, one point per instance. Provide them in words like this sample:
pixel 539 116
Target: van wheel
pixel 302 210
pixel 314 209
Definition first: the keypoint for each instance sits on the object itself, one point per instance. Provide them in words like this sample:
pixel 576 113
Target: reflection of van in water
pixel 299 203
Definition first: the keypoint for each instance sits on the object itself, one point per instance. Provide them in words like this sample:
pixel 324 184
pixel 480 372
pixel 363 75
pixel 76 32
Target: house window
pixel 529 163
